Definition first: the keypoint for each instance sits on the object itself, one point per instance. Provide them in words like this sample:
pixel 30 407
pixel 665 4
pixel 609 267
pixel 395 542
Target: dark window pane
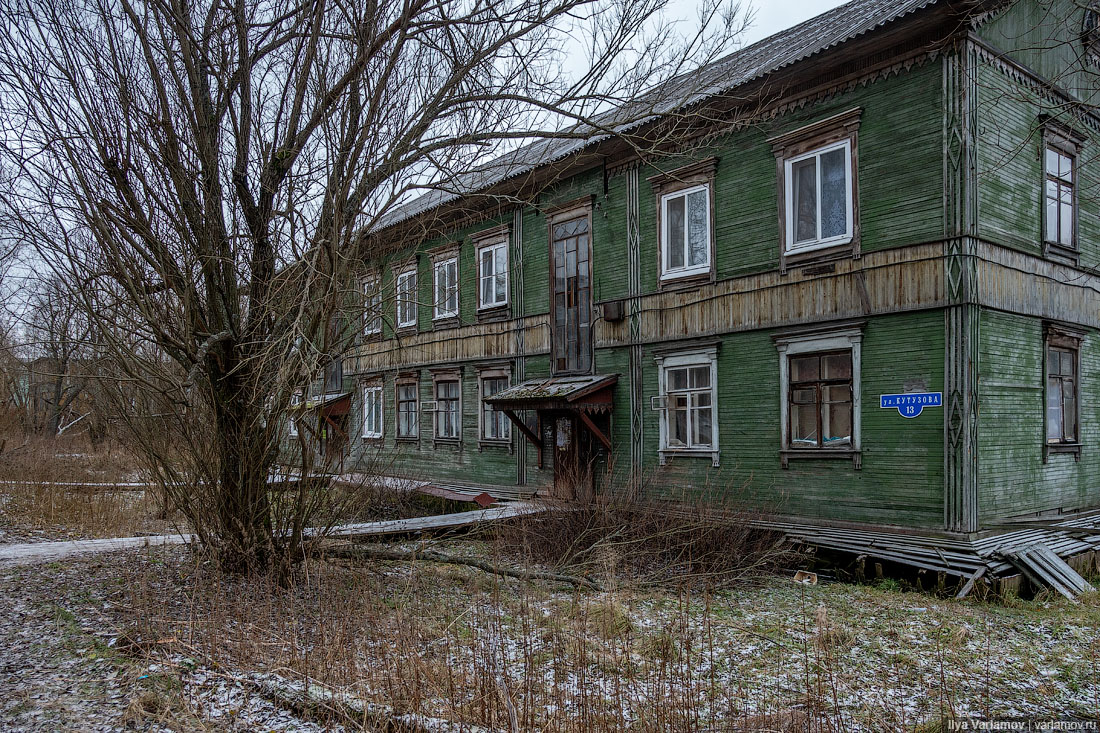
pixel 674 229
pixel 837 425
pixel 837 366
pixel 805 200
pixel 803 426
pixel 805 368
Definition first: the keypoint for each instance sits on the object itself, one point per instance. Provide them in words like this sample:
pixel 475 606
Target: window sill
pixel 491 313
pixel 1071 448
pixel 819 254
pixel 407 439
pixel 665 454
pixel 406 330
pixel 455 442
pixel 484 443
pixel 441 322
pixel 1061 253
pixel 685 279
pixel 849 454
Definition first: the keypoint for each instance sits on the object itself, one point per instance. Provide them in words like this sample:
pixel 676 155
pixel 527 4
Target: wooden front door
pixel 571 332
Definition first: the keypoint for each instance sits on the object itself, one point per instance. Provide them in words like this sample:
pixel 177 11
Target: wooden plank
pixel 440 521
pixel 969 585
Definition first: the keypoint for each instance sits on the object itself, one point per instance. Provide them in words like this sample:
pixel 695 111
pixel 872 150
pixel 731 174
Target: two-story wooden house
pixel 864 293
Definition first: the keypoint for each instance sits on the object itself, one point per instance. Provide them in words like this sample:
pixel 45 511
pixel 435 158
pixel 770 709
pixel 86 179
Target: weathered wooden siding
pixel 1010 173
pixel 1020 283
pixel 1045 36
pixel 901 480
pixel 1013 479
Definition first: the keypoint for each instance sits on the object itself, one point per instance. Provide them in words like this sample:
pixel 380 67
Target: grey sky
pixel 773 16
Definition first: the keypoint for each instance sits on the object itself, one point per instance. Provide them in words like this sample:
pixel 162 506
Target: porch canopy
pixel 579 395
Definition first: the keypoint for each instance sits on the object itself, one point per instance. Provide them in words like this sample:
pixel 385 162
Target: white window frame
pixel 415 384
pixel 789 185
pixel 493 247
pixel 839 340
pixel 373 392
pixel 707 356
pixel 669 273
pixel 372 306
pixel 481 423
pixel 439 309
pixel 437 412
pixel 408 299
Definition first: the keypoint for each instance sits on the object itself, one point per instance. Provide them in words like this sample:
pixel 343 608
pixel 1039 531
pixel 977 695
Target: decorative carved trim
pixel 817 134
pixel 686 176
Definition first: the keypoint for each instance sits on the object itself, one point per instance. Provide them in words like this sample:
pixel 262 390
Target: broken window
pixel 820 400
pixel 372 306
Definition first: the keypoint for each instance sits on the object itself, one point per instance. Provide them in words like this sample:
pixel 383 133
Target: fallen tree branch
pixel 308 698
pixel 382 553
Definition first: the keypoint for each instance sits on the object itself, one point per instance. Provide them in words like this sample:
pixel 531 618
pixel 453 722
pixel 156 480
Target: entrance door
pixel 571 332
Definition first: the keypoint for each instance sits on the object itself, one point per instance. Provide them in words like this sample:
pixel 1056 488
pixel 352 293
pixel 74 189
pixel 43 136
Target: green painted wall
pixel 901 481
pixel 1012 478
pixel 1046 37
pixel 1010 173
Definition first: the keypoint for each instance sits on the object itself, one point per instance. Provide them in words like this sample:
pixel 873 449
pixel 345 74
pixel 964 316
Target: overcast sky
pixel 773 16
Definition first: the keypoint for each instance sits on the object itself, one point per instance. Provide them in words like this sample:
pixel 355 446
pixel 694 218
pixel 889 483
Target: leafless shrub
pixel 639 538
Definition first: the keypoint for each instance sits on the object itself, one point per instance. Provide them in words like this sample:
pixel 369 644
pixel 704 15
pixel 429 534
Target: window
pixel 372 411
pixel 292 420
pixel 688 403
pixel 1063 378
pixel 1060 203
pixel 684 221
pixel 447 410
pixel 820 393
pixel 446 288
pixel 819 198
pixel 686 231
pixel 495 425
pixel 372 307
pixel 820 396
pixel 408 418
pixel 406 299
pixel 492 271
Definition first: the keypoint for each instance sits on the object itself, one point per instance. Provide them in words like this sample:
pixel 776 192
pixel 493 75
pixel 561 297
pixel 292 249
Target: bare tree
pixel 201 173
pixel 59 336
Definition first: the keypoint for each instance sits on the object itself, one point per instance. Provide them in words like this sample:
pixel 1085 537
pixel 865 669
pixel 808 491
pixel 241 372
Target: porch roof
pixel 582 392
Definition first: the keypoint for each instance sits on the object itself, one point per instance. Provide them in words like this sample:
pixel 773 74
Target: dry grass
pixel 632 538
pixel 37 501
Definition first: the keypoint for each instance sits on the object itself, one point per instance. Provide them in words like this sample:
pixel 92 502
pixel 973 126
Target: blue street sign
pixel 911 404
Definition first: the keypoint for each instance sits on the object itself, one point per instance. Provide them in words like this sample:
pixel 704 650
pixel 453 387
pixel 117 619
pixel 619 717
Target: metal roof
pixel 771 54
pixel 557 389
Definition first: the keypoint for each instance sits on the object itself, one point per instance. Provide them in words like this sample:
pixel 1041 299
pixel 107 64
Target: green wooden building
pixel 861 290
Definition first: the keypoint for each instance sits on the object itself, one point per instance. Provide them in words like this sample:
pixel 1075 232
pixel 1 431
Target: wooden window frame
pixel 667 186
pixel 494 244
pixel 371 288
pixel 820 340
pixel 575 209
pixel 440 259
pixel 438 378
pixel 374 387
pixel 491 372
pixel 1068 143
pixel 406 380
pixel 295 399
pixel 400 274
pixel 1062 338
pixel 702 356
pixel 828 134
